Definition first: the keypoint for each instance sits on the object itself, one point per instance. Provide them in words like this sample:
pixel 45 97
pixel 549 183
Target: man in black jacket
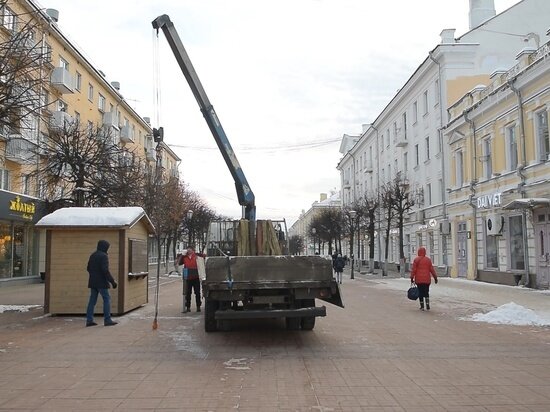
pixel 100 277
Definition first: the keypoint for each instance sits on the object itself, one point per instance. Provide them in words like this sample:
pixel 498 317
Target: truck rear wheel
pixel 210 322
pixel 292 323
pixel 308 322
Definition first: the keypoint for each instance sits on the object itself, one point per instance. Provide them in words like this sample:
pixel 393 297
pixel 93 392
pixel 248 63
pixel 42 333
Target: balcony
pixel 62 80
pixel 20 150
pixel 60 120
pixel 126 134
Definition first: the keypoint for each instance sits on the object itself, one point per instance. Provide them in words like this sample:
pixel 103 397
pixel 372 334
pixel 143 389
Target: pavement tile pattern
pixel 380 353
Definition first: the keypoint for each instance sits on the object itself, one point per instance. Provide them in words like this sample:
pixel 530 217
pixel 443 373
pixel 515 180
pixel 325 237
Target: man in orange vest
pixel 189 262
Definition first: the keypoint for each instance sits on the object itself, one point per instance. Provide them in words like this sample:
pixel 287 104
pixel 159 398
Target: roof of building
pixel 95 217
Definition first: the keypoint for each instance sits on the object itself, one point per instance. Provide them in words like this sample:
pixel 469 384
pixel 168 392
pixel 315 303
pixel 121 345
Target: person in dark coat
pixel 338 266
pixel 421 274
pixel 98 282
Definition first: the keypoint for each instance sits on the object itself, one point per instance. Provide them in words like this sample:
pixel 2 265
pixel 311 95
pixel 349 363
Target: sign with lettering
pixel 489 201
pixel 16 207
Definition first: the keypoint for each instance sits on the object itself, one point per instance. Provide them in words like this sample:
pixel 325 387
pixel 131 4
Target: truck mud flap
pixel 275 313
pixel 336 295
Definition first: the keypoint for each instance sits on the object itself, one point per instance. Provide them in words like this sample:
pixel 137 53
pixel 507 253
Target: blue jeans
pixel 93 300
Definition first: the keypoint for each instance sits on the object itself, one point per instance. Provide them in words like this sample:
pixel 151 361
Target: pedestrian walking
pixel 421 274
pixel 98 283
pixel 192 282
pixel 338 266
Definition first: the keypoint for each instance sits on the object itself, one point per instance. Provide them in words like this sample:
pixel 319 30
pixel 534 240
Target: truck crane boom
pixel 244 192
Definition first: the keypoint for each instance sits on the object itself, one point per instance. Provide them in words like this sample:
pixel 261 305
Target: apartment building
pixel 406 137
pixel 73 92
pixel 499 193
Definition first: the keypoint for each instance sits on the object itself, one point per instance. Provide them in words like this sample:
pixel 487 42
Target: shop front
pixel 19 239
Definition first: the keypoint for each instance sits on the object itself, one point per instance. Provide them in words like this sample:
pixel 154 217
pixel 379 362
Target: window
pixel 425 98
pixel 9 19
pixel 388 138
pixel 25 184
pixel 487 160
pixel 4 179
pixel 90 128
pixel 427 144
pixel 429 193
pixel 404 121
pixel 512 148
pixel 405 162
pixel 382 143
pixel 395 131
pixel 90 92
pixel 47 53
pixel 101 103
pixel 436 92
pixel 415 112
pixel 370 156
pixel 44 98
pixel 78 81
pixel 491 252
pixel 541 127
pixel 459 169
pixel 517 256
pixel 416 155
pixel 77 117
pixel 63 63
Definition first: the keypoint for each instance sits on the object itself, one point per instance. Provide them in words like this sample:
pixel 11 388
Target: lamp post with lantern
pixel 313 232
pixel 352 215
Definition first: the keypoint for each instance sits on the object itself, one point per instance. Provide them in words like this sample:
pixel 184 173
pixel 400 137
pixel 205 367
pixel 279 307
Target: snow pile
pixel 511 314
pixel 17 308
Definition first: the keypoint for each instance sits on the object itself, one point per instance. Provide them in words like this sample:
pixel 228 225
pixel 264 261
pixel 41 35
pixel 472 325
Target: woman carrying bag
pixel 421 274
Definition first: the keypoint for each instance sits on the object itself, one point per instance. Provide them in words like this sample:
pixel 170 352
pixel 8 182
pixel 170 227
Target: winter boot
pixel 421 304
pixel 427 303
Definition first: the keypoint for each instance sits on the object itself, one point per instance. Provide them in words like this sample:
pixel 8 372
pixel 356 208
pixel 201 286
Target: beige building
pixel 300 228
pixel 73 91
pixel 499 193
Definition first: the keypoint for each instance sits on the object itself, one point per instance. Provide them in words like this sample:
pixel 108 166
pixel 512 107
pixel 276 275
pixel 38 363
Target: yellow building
pixel 499 194
pixel 73 90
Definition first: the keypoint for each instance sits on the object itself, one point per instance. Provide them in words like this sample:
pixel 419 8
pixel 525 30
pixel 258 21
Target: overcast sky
pixel 287 79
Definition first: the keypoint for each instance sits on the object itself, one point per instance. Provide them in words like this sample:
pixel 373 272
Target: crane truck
pixel 254 279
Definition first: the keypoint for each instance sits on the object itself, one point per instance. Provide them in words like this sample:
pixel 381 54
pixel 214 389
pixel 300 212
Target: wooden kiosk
pixel 72 235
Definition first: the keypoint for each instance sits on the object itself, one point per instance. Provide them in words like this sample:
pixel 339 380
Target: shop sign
pixel 394 231
pixel 432 223
pixel 422 227
pixel 489 201
pixel 25 210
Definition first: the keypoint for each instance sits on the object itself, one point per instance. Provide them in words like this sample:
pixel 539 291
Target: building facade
pixel 301 227
pixel 71 92
pixel 406 137
pixel 499 193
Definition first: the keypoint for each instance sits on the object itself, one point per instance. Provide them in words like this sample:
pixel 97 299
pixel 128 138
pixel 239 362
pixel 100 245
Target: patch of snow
pixel 93 216
pixel 237 364
pixel 17 308
pixel 511 314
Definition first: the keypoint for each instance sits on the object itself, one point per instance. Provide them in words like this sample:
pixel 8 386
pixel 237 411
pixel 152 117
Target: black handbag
pixel 412 293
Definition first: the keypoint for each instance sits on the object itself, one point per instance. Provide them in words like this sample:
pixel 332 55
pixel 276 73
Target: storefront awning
pixel 527 203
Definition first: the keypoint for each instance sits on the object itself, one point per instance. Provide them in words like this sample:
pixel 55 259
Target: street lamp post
pixel 189 217
pixel 313 231
pixel 352 214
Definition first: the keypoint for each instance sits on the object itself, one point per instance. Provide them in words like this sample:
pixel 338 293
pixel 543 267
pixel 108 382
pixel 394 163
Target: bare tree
pixel 296 245
pixel 366 211
pixel 403 202
pixel 328 227
pixel 24 71
pixel 387 199
pixel 86 167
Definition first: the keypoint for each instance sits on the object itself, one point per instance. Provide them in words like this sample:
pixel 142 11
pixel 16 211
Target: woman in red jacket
pixel 421 274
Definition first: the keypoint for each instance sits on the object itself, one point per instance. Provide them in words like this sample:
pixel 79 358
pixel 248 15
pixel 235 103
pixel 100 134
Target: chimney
pixel 323 196
pixel 53 14
pixel 447 36
pixel 481 11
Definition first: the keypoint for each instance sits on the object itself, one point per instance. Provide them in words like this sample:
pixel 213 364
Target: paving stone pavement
pixel 380 353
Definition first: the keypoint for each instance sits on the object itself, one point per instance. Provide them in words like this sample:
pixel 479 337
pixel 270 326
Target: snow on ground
pixel 511 314
pixel 483 302
pixel 17 308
